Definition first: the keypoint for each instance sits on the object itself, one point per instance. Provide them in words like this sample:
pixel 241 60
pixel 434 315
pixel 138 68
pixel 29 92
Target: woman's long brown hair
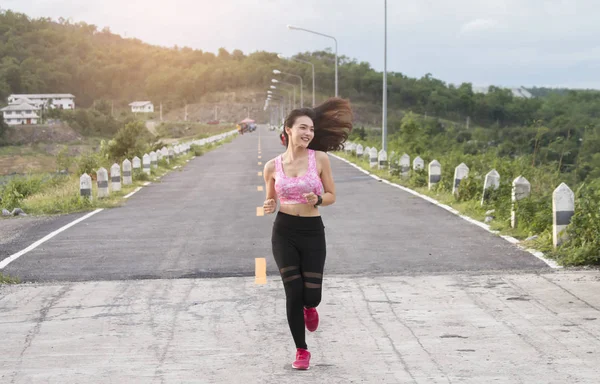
pixel 332 121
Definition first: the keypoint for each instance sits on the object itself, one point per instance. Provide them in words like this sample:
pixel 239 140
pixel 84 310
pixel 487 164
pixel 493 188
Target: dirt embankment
pixel 33 134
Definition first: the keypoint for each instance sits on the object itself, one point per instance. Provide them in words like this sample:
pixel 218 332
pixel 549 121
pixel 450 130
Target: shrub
pixel 139 174
pixel 18 189
pixel 63 159
pixel 197 150
pixel 88 163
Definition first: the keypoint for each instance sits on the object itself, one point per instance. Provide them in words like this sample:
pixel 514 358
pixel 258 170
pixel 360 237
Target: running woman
pixel 302 181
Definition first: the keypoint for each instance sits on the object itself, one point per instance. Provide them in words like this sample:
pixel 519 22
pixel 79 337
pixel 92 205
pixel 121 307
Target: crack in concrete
pixel 387 336
pixel 38 325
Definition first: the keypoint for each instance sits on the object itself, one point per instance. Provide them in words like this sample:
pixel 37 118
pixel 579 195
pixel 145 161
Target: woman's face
pixel 302 133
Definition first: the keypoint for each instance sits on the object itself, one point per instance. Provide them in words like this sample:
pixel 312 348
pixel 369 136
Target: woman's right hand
pixel 269 206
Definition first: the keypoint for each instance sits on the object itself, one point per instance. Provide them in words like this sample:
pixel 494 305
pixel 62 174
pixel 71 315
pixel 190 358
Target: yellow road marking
pixel 259 173
pixel 259 188
pixel 260 163
pixel 260 211
pixel 260 270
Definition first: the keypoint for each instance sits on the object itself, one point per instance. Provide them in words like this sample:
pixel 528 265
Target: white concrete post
pixel 460 172
pixel 359 150
pixel 146 162
pixel 382 159
pixel 102 180
pixel 137 163
pixel 418 163
pixel 85 186
pixel 115 177
pixel 435 173
pixel 177 150
pixel 159 156
pixel 373 157
pixel 521 188
pixel 492 180
pixel 563 209
pixel 367 153
pixel 404 165
pixel 153 159
pixel 165 153
pixel 127 179
pixel 171 153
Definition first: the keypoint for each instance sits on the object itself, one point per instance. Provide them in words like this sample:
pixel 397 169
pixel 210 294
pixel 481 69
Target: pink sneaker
pixel 311 319
pixel 302 359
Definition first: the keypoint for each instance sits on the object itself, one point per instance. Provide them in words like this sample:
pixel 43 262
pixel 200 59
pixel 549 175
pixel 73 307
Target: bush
pixel 18 189
pixel 197 150
pixel 130 141
pixel 470 188
pixel 139 174
pixel 534 214
pixel 88 163
pixel 63 159
pixel 418 178
pixel 163 163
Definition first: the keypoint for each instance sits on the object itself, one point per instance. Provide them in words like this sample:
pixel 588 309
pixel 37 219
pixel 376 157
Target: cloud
pixel 478 25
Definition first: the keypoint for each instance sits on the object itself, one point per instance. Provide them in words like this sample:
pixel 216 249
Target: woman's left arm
pixel 326 178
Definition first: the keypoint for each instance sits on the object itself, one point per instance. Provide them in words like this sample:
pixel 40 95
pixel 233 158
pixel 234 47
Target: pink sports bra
pixel 290 189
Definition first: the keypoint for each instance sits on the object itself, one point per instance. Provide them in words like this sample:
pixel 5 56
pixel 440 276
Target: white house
pixel 21 113
pixel 53 100
pixel 142 106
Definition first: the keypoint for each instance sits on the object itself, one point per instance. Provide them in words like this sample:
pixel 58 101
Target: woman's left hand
pixel 311 198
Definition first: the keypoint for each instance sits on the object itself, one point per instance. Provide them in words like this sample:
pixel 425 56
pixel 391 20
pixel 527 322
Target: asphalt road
pixel 202 222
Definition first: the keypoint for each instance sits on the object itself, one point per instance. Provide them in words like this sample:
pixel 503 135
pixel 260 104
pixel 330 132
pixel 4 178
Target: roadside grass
pixel 6 279
pixel 40 157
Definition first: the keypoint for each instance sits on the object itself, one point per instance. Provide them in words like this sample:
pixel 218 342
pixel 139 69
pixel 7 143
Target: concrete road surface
pixel 161 290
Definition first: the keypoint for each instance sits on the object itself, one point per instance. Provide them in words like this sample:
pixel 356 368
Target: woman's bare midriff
pixel 299 210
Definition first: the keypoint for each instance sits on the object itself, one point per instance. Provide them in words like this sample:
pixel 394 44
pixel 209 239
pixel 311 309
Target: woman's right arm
pixel 271 196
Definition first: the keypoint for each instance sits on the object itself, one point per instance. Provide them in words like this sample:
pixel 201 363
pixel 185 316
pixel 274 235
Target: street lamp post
pixel 336 51
pixel 289 97
pixel 280 100
pixel 313 73
pixel 286 83
pixel 276 71
pixel 384 118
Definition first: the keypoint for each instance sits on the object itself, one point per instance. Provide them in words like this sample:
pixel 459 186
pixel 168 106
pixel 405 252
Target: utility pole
pixel 384 119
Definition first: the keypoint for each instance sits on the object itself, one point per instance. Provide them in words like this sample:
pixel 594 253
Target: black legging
pixel 299 251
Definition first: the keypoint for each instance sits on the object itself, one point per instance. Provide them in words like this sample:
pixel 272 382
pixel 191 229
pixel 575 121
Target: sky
pixel 507 43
